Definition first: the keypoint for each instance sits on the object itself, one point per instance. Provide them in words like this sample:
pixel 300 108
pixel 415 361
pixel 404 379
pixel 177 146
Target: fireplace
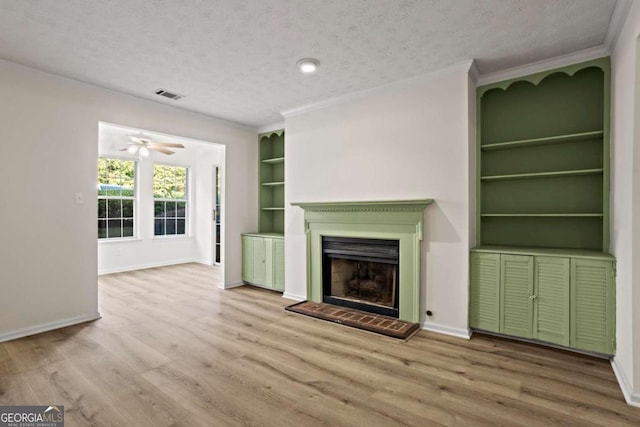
pixel 361 273
pixel 388 261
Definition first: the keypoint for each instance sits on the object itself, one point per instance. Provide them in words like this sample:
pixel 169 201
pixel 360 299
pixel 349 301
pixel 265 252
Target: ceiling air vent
pixel 167 94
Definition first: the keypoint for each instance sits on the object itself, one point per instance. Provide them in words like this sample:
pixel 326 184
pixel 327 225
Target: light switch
pixel 79 199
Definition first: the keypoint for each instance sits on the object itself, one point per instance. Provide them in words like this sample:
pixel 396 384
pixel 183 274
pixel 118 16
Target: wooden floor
pixel 173 350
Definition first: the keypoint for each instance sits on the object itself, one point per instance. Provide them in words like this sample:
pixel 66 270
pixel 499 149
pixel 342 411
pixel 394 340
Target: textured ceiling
pixel 236 59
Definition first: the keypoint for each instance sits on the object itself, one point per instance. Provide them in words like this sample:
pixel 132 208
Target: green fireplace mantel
pixel 401 220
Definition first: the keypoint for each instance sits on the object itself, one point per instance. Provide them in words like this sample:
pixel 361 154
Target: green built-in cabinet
pixel 263 260
pixel 561 300
pixel 263 251
pixel 543 159
pixel 271 180
pixel 541 270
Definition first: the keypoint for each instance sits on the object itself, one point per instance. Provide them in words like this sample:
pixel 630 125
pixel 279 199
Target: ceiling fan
pixel 140 143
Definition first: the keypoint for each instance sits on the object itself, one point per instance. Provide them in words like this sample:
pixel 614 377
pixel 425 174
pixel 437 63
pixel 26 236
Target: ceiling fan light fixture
pixel 308 65
pixel 144 151
pixel 132 148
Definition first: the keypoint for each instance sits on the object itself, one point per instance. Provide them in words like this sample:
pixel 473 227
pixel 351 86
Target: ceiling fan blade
pixel 162 150
pixel 167 144
pixel 124 149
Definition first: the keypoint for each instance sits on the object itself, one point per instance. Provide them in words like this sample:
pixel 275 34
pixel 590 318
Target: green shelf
pixel 550 215
pixel 271 182
pixel 545 191
pixel 541 141
pixel 579 172
pixel 274 160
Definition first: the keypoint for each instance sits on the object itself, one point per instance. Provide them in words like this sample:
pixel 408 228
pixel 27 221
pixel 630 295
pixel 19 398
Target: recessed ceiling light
pixel 308 65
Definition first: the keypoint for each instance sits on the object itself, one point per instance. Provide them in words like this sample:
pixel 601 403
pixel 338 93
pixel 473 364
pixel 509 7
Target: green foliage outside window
pixel 116 173
pixel 116 198
pixel 169 182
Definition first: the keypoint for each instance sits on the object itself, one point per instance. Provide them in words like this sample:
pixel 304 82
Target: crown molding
pixel 618 18
pixel 270 128
pixel 544 65
pixel 474 73
pixel 463 66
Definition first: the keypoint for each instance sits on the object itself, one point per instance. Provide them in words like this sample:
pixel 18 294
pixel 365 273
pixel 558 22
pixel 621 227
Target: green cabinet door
pixel 258 261
pixel 516 295
pixel 484 291
pixel 278 264
pixel 247 259
pixel 551 302
pixel 263 261
pixel 253 260
pixel 592 305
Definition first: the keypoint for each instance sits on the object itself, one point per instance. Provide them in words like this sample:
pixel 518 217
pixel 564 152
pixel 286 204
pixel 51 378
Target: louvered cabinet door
pixel 484 291
pixel 516 290
pixel 551 300
pixel 278 264
pixel 592 305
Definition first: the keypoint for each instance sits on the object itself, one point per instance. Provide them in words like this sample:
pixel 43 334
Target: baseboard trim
pixel 145 266
pixel 448 330
pixel 292 296
pixel 45 327
pixel 231 285
pixel 632 397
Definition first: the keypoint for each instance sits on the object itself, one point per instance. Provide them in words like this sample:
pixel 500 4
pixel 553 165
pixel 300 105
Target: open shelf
pixel 580 172
pixel 274 160
pixel 272 182
pixel 544 191
pixel 551 215
pixel 541 141
pixel 577 232
pixel 563 252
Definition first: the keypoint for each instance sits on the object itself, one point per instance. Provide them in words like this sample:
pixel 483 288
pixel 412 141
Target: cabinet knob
pixel 533 297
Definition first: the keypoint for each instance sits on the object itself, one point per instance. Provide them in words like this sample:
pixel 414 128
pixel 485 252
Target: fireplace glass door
pixel 362 274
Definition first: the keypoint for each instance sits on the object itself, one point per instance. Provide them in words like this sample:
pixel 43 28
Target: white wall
pixel 49 134
pixel 406 140
pixel 146 250
pixel 625 202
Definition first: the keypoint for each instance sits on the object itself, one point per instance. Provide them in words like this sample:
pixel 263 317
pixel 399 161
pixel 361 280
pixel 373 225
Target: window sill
pixel 120 240
pixel 172 237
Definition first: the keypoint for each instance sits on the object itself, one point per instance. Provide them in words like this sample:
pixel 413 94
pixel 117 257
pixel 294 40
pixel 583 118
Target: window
pixel 116 198
pixel 170 200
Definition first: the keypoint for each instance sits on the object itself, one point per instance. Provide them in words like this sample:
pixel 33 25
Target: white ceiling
pixel 236 59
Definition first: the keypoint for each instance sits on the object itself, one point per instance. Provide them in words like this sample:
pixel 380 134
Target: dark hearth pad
pixel 377 323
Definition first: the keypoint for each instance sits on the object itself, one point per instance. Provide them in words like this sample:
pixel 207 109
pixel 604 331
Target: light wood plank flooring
pixel 174 350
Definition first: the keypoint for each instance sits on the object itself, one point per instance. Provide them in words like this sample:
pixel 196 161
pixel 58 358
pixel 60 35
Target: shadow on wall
pixel 438 228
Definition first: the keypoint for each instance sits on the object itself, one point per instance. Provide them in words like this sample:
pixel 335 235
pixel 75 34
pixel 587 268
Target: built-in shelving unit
pixel 543 160
pixel 541 270
pixel 263 251
pixel 272 183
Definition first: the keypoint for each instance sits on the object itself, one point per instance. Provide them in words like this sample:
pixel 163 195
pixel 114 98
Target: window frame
pixel 187 202
pixel 135 198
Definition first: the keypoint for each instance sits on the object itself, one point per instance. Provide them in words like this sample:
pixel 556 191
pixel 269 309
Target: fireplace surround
pixel 401 221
